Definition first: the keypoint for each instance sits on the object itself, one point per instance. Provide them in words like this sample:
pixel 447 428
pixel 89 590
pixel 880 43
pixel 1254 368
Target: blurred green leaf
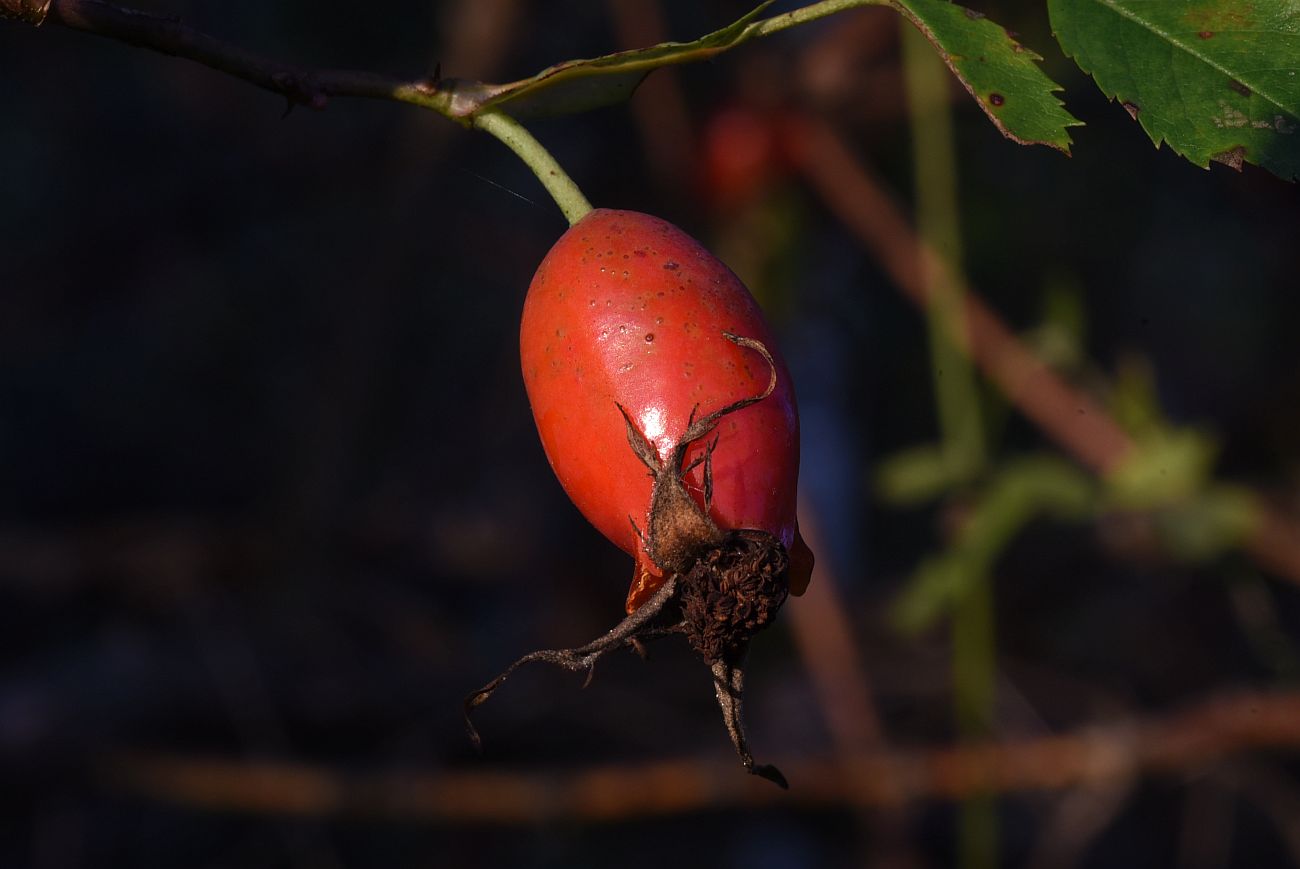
pixel 1059 340
pixel 1167 466
pixel 931 589
pixel 1169 475
pixel 1002 75
pixel 1215 79
pixel 1207 525
pixel 1019 492
pixel 916 475
pixel 1134 400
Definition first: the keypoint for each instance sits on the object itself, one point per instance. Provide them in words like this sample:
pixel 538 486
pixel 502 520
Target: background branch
pixel 1090 756
pixel 1071 418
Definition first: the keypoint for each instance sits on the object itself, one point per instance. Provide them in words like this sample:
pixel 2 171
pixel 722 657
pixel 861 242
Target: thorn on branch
pixel 299 90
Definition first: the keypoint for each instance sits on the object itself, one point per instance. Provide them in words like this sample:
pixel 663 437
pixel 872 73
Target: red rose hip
pixel 669 418
pixel 628 310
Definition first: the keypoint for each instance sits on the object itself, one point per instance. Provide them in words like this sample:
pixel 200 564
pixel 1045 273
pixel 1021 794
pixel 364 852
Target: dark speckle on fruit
pixel 650 337
pixel 671 266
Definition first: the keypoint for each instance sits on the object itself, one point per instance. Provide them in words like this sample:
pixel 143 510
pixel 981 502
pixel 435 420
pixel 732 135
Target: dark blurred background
pixel 271 499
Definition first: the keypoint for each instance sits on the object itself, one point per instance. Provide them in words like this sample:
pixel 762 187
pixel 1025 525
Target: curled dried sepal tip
pixel 581 659
pixel 729 687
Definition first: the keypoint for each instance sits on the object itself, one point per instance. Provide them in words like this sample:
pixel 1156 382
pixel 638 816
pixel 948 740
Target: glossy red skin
pixel 628 309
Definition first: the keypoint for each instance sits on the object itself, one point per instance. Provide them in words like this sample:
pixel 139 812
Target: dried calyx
pixel 722 587
pixel 733 591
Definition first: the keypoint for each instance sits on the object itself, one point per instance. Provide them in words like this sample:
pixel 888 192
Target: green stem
pixel 974 675
pixel 935 160
pixel 556 181
pixel 974 665
pixel 805 14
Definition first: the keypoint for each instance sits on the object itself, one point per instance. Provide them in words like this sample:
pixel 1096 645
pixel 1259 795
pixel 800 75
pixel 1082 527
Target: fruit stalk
pixel 556 181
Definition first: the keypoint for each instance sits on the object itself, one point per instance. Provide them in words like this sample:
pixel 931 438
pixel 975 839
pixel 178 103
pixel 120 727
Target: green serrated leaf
pixel 1002 75
pixel 1214 79
pixel 592 83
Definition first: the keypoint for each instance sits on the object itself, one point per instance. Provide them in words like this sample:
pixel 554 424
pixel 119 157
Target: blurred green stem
pixel 556 181
pixel 935 176
pixel 934 163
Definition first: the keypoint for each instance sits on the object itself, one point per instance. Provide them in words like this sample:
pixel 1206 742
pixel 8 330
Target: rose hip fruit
pixel 669 418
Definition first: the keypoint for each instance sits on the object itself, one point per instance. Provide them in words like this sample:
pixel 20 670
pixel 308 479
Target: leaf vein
pixel 1115 7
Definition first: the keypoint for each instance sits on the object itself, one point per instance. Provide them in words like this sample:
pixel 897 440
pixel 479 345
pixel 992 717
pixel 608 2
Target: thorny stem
pixel 459 101
pixel 171 36
pixel 556 181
